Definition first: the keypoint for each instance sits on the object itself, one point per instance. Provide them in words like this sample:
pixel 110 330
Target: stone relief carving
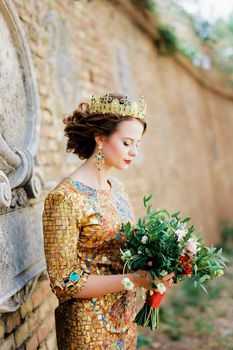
pixel 21 178
pixel 14 302
pixel 5 190
pixel 19 107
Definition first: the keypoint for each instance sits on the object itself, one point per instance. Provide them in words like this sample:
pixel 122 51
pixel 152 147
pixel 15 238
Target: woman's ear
pixel 99 140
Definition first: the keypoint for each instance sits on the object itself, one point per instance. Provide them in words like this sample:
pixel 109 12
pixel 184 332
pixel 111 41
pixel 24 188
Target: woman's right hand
pixel 141 278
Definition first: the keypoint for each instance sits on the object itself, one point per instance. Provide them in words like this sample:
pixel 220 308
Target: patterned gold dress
pixel 82 237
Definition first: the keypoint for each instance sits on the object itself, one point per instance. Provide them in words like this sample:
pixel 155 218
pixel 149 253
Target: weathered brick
pixel 37 297
pixel 18 2
pixel 43 346
pixel 41 291
pixel 22 334
pixel 34 321
pixel 50 321
pixel 51 341
pixel 32 343
pixel 42 332
pixel 52 145
pixel 2 329
pixel 12 320
pixel 44 309
pixel 8 343
pixel 53 301
pixel 47 118
pixel 26 308
pixel 44 89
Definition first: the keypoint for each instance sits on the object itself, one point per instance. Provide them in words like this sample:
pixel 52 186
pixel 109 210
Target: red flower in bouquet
pixel 186 264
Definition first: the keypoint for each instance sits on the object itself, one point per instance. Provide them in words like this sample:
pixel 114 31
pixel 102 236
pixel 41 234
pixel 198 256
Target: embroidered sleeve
pixel 61 234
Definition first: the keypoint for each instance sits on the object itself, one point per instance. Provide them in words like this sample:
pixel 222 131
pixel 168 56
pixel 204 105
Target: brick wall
pixel 186 160
pixel 32 326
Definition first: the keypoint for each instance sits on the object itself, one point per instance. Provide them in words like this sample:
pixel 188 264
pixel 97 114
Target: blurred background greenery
pixel 201 30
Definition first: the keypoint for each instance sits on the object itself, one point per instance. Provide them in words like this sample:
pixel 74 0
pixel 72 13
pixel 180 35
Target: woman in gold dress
pixel 82 219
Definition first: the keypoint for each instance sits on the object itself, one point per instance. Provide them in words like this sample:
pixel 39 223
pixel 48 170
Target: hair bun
pixel 83 108
pixel 81 112
pixel 67 119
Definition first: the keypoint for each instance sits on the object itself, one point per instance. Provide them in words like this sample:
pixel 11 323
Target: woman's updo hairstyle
pixel 82 126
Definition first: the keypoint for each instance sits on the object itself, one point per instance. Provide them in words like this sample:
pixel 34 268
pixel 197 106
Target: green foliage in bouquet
pixel 208 264
pixel 156 238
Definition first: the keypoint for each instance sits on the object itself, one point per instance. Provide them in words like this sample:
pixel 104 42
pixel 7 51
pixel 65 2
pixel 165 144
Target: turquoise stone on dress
pixel 74 277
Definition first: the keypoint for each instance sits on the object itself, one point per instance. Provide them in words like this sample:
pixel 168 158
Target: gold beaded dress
pixel 81 237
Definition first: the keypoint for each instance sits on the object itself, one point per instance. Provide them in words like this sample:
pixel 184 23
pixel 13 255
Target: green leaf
pixel 152 284
pixel 175 214
pixel 148 209
pixel 219 251
pixel 153 275
pixel 186 220
pixel 127 228
pixel 205 290
pixel 147 199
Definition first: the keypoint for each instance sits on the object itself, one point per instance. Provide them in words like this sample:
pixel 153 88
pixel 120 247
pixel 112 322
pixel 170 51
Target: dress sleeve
pixel 61 234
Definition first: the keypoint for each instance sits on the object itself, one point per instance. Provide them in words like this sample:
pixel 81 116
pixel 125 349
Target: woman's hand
pixel 141 278
pixel 168 280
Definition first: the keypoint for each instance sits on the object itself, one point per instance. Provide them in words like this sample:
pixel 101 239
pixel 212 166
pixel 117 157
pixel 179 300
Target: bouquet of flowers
pixel 161 243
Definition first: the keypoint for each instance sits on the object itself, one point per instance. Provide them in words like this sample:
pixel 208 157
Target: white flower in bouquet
pixel 181 233
pixel 139 251
pixel 163 273
pixel 191 246
pixel 125 255
pixel 128 285
pixel 144 239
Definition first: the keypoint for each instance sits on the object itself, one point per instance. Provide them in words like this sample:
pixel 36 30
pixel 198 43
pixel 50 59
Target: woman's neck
pixel 87 173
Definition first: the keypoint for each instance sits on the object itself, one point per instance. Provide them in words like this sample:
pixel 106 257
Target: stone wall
pixel 186 159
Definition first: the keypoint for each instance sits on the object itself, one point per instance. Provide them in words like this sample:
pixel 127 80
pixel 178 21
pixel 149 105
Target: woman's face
pixel 120 148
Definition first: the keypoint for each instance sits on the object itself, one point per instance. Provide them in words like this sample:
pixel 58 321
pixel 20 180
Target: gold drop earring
pixel 99 158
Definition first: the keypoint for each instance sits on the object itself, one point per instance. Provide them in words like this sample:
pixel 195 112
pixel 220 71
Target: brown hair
pixel 82 127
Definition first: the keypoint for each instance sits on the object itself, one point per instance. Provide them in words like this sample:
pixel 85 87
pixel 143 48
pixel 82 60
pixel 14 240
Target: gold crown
pixel 122 107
